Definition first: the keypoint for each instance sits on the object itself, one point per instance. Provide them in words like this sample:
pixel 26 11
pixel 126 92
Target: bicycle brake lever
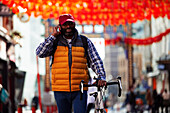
pixel 94 93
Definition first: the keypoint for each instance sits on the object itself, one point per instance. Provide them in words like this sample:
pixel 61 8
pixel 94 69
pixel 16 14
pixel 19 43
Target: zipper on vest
pixel 70 63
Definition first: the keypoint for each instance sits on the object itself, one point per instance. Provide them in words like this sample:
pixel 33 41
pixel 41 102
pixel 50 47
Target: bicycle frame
pixel 99 107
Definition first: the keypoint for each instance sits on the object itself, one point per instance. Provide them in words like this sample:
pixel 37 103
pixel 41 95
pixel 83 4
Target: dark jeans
pixel 65 100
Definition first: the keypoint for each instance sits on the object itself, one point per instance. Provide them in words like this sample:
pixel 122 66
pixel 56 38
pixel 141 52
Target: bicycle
pixel 99 107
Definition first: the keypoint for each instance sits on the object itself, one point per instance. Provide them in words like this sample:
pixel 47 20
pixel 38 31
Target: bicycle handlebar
pixel 96 85
pixel 120 86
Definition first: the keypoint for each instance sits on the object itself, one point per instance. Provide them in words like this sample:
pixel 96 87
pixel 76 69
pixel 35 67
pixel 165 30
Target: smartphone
pixel 58 29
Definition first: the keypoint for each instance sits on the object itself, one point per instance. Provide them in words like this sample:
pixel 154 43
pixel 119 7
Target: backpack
pixel 4 96
pixel 85 46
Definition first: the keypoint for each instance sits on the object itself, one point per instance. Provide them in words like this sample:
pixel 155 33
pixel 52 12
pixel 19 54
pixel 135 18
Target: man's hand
pixel 101 83
pixel 56 31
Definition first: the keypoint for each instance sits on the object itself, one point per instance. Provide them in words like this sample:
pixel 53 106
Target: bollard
pixel 56 109
pixel 19 108
pixel 48 109
pixel 52 109
pixel 33 108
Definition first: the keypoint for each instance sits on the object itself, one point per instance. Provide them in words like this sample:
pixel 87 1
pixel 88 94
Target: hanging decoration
pixel 138 42
pixel 108 12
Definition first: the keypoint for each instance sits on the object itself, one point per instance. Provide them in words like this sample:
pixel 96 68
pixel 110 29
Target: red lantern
pixel 10 4
pixel 29 13
pixel 36 13
pixel 156 12
pixel 168 15
pixel 45 15
pixel 147 14
pixel 5 2
pixel 51 15
pixel 107 42
pixel 31 6
pixel 24 4
pixel 140 14
pixel 15 10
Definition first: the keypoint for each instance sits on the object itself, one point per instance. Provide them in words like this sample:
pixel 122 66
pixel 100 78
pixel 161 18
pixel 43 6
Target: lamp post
pixel 130 64
pixel 130 58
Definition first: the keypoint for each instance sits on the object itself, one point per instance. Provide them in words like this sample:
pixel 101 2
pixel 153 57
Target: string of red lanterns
pixel 138 42
pixel 108 12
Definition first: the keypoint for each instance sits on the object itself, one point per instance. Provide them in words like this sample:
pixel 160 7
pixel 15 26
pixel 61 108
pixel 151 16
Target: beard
pixel 66 33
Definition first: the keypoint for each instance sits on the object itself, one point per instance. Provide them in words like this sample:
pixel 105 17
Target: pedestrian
pixel 35 101
pixel 155 106
pixel 166 100
pixel 160 100
pixel 71 53
pixel 132 100
pixel 148 98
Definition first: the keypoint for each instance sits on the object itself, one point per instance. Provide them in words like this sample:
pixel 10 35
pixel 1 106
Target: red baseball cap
pixel 66 17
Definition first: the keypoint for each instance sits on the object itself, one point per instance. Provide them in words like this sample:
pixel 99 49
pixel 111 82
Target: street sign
pixel 5 10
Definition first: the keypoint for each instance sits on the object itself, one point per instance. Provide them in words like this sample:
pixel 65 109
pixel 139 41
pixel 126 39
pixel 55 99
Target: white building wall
pixel 31 32
pixel 159 25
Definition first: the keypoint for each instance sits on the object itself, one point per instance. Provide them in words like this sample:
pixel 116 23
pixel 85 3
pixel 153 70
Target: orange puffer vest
pixel 69 66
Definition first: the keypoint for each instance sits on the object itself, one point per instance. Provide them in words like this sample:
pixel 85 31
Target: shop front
pixel 11 78
pixel 164 67
pixel 3 65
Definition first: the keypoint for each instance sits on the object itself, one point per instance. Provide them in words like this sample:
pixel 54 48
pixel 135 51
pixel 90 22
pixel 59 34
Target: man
pixel 70 64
